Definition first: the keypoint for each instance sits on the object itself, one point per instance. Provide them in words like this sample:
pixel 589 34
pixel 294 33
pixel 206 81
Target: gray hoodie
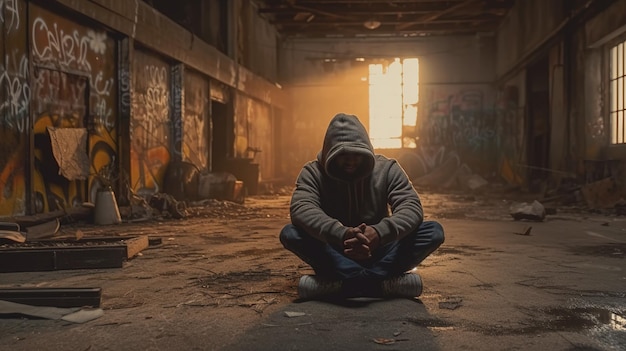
pixel 325 203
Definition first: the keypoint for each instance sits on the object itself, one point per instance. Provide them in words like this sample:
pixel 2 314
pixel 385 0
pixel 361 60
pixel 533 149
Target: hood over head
pixel 346 134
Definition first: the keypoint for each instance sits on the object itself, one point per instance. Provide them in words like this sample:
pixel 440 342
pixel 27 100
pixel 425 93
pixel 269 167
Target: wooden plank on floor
pixel 34 259
pixel 86 253
pixel 136 245
pixel 56 297
pixel 91 257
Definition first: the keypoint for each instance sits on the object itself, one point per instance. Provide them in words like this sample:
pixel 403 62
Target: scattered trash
pixel 168 204
pixel 17 233
pixel 13 236
pixel 475 182
pixel 74 314
pixel 83 315
pixel 11 231
pixel 451 303
pixel 440 329
pixel 526 231
pixel 533 211
pixel 294 314
pixel 384 341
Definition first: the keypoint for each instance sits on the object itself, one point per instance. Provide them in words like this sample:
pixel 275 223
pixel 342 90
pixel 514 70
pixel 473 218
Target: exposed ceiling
pixel 380 18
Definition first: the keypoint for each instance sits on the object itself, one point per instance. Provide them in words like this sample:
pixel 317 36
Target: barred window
pixel 617 57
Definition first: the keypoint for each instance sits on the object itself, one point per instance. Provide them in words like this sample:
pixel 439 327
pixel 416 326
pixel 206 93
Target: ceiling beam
pixel 319 23
pixel 397 17
pixel 425 27
pixel 431 17
pixel 320 12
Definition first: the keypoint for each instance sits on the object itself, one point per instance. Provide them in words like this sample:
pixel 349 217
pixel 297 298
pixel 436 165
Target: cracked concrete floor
pixel 220 280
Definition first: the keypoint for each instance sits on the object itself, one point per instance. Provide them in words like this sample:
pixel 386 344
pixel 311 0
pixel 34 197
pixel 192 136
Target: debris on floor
pixel 291 314
pixel 451 303
pixel 86 253
pixel 72 314
pixel 601 194
pixel 529 211
pixel 525 231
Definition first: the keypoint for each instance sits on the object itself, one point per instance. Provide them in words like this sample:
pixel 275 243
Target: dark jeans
pixel 387 261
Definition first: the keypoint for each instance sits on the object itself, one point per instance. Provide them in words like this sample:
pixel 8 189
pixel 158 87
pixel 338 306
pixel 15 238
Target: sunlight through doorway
pixel 393 99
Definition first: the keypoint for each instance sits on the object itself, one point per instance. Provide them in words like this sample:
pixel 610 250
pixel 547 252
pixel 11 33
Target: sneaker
pixel 311 287
pixel 406 285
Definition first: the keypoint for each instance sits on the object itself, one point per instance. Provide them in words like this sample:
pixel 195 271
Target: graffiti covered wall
pixel 150 130
pixel 254 135
pixel 461 120
pixel 195 142
pixel 73 86
pixel 14 101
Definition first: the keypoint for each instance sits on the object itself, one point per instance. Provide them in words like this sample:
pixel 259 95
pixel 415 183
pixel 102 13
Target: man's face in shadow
pixel 349 162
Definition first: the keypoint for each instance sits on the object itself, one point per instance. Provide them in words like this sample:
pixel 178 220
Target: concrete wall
pixel 575 46
pixel 261 43
pixel 323 78
pixel 136 81
pixel 525 38
pixel 523 30
pixel 599 159
pixel 599 33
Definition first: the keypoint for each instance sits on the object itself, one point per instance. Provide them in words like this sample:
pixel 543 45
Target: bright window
pixel 393 98
pixel 617 94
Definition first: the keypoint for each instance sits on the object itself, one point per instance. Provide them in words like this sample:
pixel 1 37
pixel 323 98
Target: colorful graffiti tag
pixel 195 121
pixel 73 87
pixel 150 124
pixel 14 101
pixel 462 121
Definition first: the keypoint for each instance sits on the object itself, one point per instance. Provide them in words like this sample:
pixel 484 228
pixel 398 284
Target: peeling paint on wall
pixel 595 125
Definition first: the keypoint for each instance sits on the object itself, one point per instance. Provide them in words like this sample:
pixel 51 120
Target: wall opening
pixel 538 122
pixel 393 103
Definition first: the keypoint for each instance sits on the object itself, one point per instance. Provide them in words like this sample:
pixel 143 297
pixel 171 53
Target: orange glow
pixel 393 96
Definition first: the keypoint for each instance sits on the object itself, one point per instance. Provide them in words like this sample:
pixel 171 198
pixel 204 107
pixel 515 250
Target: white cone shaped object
pixel 106 211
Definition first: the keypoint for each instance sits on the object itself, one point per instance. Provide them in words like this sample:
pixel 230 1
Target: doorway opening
pixel 393 103
pixel 538 123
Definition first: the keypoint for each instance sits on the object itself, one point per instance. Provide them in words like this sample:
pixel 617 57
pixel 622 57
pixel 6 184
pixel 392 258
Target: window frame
pixel 608 108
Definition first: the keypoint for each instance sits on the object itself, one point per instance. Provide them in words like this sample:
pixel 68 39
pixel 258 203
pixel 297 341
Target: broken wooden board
pixel 43 230
pixel 56 297
pixel 136 245
pixel 11 231
pixel 87 253
pixel 12 235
